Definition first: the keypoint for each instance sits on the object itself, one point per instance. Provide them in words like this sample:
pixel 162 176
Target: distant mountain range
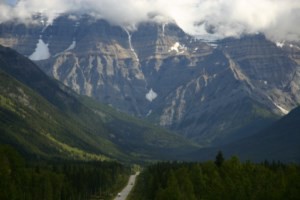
pixel 43 118
pixel 214 93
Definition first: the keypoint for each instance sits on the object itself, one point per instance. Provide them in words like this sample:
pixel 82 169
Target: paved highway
pixel 126 190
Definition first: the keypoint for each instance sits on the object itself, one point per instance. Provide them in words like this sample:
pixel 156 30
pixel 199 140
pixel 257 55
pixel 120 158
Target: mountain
pixel 213 92
pixel 280 141
pixel 43 118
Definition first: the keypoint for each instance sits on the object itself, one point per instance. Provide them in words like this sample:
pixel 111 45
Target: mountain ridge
pixel 280 141
pixel 157 72
pixel 67 127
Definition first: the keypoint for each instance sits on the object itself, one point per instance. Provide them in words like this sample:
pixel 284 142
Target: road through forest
pixel 126 190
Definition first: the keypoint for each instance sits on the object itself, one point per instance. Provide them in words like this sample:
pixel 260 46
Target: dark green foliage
pixel 231 180
pixel 219 159
pixel 280 141
pixel 58 180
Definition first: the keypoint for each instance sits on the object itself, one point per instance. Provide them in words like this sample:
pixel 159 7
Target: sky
pixel 278 19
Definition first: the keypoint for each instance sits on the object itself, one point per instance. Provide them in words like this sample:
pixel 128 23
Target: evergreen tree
pixel 219 159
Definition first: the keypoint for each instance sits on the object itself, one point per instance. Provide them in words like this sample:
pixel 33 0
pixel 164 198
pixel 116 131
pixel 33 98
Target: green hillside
pixel 280 141
pixel 36 127
pixel 42 118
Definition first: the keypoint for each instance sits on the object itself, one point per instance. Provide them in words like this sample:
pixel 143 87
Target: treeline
pixel 58 180
pixel 222 179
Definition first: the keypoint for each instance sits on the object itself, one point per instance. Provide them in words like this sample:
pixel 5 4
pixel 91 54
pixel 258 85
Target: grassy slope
pixel 35 126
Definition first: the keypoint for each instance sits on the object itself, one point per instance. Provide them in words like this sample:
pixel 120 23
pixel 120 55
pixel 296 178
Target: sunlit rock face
pixel 212 92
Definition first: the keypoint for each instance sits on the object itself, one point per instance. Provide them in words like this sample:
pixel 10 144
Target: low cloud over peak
pixel 278 19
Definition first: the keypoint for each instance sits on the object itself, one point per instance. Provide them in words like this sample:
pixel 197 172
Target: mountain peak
pixel 201 89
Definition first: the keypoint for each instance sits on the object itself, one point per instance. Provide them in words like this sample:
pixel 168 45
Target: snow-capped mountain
pixel 210 91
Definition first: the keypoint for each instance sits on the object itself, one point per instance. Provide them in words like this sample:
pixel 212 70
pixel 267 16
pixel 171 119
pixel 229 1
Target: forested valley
pixel 47 180
pixel 222 179
pixel 219 179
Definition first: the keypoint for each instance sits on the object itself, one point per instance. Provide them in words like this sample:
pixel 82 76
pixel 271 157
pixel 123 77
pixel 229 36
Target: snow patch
pixel 294 46
pixel 149 113
pixel 43 30
pixel 178 48
pixel 163 29
pixel 71 47
pixel 284 111
pixel 73 17
pixel 41 51
pixel 280 44
pixel 214 45
pixel 130 45
pixel 43 22
pixel 151 95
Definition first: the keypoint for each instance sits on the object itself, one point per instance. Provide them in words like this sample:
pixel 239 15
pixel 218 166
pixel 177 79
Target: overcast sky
pixel 278 19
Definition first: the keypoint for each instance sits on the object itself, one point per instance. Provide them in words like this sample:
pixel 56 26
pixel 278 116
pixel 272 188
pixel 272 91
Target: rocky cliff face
pixel 211 92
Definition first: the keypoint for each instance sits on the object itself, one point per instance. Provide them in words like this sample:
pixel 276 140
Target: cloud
pixel 278 19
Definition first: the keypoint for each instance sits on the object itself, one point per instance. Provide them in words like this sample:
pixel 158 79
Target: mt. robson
pixel 211 91
pixel 44 119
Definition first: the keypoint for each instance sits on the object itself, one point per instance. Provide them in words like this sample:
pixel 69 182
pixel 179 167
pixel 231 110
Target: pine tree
pixel 219 159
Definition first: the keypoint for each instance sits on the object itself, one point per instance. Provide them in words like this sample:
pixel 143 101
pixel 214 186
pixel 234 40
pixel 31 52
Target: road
pixel 126 190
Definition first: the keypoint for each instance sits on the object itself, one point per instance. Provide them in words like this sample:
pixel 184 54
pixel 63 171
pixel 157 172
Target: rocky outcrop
pixel 238 88
pixel 270 69
pixel 210 92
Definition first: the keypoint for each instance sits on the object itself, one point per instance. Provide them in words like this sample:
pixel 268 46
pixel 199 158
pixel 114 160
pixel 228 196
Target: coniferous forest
pixel 47 180
pixel 222 179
